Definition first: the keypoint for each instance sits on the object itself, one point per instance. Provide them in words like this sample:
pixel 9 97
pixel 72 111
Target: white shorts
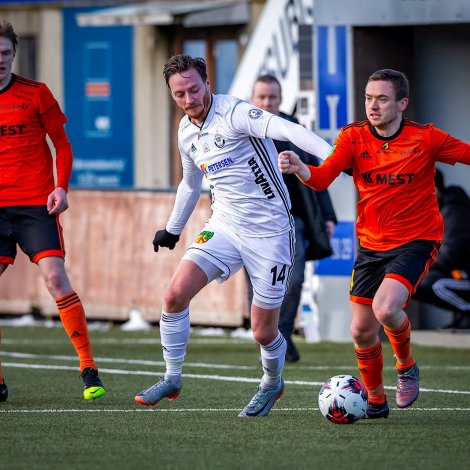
pixel 220 253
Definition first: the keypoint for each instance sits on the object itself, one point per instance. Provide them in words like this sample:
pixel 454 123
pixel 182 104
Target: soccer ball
pixel 343 399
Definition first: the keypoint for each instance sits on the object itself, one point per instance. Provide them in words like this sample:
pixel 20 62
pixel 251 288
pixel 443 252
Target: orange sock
pixel 73 318
pixel 370 363
pixel 401 344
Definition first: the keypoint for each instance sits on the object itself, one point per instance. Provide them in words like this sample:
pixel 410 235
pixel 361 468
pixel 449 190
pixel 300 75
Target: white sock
pixel 273 358
pixel 174 334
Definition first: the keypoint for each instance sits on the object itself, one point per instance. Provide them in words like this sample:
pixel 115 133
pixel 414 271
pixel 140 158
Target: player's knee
pixel 56 281
pixel 264 336
pixel 362 334
pixel 385 311
pixel 174 300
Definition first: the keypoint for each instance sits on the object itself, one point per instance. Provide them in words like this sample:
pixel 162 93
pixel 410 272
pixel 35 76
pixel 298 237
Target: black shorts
pixel 407 263
pixel 37 233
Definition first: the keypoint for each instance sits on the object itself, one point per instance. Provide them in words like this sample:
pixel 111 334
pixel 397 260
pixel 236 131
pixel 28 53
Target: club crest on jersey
pixel 219 141
pixel 385 146
pixel 255 113
pixel 204 236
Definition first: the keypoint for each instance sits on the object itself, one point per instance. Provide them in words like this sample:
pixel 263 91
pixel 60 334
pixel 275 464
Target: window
pixel 219 48
pixel 223 57
pixel 25 60
pixel 195 48
pixel 225 63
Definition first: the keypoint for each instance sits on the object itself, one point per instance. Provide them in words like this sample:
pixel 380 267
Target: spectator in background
pixel 313 212
pixel 31 199
pixel 447 284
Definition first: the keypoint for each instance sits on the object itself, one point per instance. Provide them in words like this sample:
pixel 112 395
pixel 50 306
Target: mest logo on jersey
pixel 16 129
pixel 390 179
pixel 255 113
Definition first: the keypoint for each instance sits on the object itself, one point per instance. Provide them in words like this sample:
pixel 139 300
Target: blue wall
pixel 98 76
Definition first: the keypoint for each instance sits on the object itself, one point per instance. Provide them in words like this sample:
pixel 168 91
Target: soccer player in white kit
pixel 228 141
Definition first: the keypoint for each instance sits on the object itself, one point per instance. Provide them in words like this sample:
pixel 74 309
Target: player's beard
pixel 199 113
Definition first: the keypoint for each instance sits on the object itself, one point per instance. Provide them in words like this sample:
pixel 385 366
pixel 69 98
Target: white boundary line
pixel 126 361
pixel 203 376
pixel 202 410
pixel 200 364
pixel 146 341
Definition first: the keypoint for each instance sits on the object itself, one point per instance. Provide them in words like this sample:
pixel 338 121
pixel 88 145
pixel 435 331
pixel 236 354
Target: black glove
pixel 164 238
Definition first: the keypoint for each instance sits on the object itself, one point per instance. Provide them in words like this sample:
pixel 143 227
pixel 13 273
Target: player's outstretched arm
pixel 282 129
pixel 290 163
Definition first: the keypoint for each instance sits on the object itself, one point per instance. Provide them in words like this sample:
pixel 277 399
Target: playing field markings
pixel 204 410
pixel 203 376
pixel 201 365
pixel 126 361
pixel 132 341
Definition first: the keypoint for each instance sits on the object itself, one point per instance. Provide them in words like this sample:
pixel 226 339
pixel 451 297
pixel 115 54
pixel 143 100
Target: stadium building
pixel 103 61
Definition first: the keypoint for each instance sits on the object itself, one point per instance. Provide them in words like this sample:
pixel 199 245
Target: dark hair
pixel 181 63
pixel 268 79
pixel 7 31
pixel 439 180
pixel 398 79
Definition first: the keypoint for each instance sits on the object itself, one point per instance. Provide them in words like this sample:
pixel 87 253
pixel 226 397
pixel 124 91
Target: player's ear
pixel 403 104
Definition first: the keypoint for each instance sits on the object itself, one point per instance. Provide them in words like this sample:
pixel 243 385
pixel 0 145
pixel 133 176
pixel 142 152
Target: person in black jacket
pixel 447 284
pixel 313 212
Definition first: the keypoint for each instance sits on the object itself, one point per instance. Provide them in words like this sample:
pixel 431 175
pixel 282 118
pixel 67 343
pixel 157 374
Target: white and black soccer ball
pixel 343 399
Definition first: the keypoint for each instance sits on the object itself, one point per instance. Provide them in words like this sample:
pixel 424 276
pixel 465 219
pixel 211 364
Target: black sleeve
pixel 326 206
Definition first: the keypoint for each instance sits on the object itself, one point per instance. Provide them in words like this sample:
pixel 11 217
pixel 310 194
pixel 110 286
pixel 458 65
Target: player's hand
pixel 290 163
pixel 57 201
pixel 165 238
pixel 330 227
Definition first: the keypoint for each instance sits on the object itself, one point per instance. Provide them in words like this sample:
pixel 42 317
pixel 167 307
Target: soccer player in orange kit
pixel 31 201
pixel 398 224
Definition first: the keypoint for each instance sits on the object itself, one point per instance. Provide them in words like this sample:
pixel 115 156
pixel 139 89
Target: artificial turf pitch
pixel 46 423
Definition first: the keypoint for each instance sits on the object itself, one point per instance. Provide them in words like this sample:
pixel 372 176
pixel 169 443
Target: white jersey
pixel 230 150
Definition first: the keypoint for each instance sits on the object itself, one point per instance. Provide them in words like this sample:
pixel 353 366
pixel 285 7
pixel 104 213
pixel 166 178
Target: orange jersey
pixel 395 179
pixel 29 111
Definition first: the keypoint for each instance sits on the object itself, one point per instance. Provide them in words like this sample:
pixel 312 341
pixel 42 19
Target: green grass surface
pixel 47 424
